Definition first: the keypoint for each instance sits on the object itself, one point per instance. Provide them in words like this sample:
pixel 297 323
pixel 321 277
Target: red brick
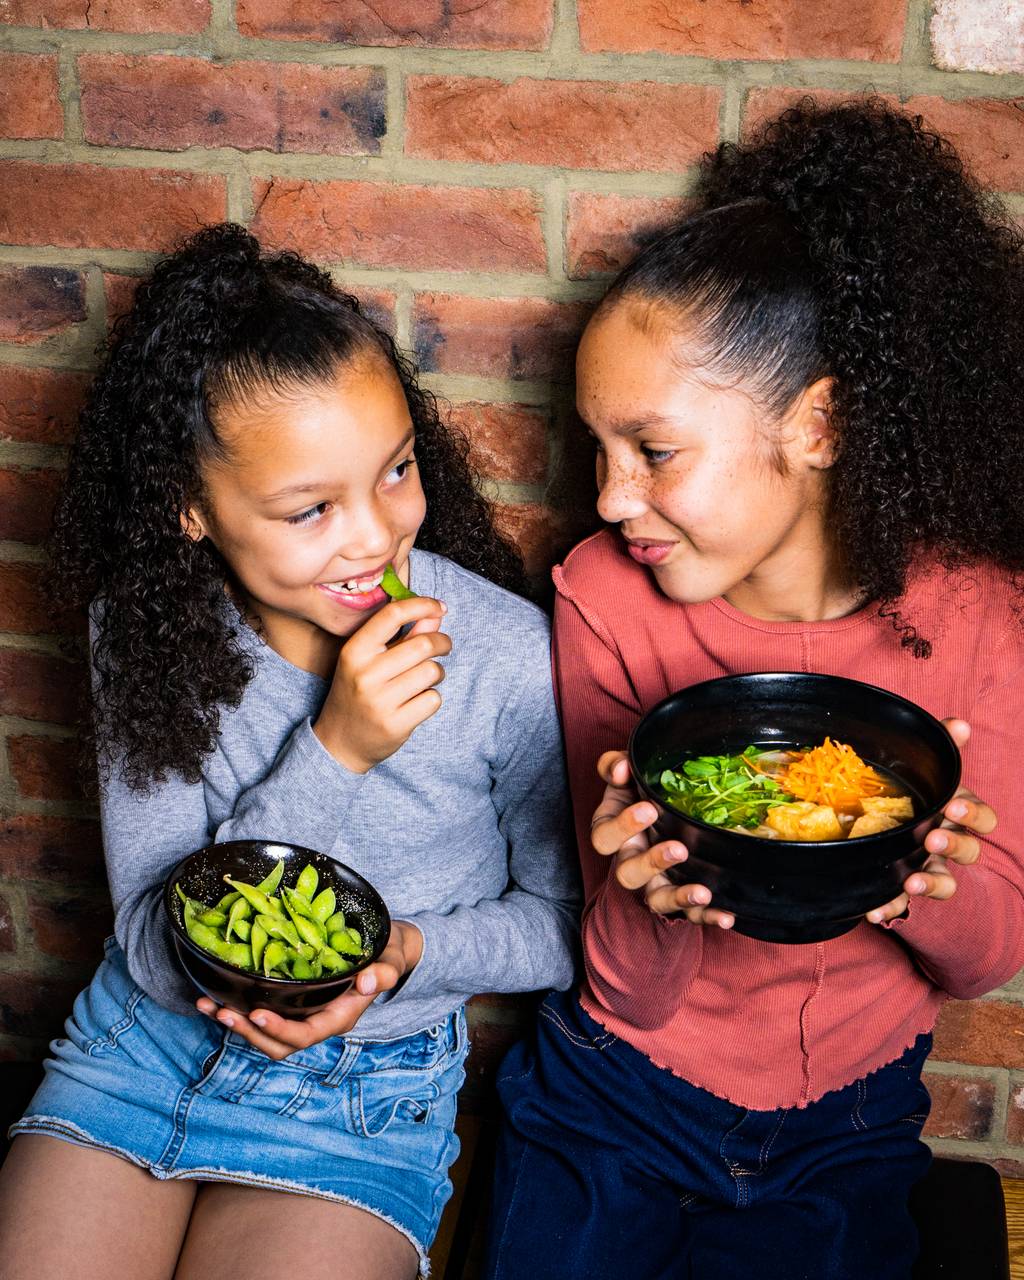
pixel 119 292
pixel 173 103
pixel 26 503
pixel 493 24
pixel 40 406
pixel 38 302
pixel 497 337
pixel 34 1006
pixel 988 133
pixel 29 102
pixel 8 935
pixel 1015 1113
pixel 109 15
pixel 763 104
pixel 383 225
pixel 980 1033
pixel 508 441
pixel 45 768
pixel 81 206
pixel 603 233
pixel 576 124
pixel 64 850
pixel 27 606
pixel 71 928
pixel 753 29
pixel 535 530
pixel 962 1106
pixel 38 686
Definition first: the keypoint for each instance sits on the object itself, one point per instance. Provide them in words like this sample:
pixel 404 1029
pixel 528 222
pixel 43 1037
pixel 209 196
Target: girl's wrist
pixel 333 742
pixel 412 944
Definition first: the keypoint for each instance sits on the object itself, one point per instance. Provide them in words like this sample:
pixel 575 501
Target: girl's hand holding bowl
pixel 621 823
pixel 278 1037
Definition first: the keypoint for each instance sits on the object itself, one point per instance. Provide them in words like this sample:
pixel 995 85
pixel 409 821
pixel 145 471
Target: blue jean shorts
pixel 366 1123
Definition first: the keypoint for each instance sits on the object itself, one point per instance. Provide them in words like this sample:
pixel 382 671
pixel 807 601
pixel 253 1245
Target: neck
pixel 802 581
pixel 302 643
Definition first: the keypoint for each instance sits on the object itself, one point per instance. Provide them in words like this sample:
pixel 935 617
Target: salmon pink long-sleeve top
pixel 764 1024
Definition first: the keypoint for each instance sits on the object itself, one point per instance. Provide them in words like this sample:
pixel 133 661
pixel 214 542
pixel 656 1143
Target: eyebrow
pixel 312 486
pixel 630 426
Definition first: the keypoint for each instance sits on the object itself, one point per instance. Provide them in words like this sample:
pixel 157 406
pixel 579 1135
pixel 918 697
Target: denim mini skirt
pixel 365 1123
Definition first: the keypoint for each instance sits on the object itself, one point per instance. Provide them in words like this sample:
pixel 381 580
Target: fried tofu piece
pixel 804 821
pixel 899 807
pixel 871 823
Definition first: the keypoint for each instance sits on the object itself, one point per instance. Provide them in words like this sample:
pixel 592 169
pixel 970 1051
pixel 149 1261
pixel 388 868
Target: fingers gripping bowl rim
pixel 785 890
pixel 201 876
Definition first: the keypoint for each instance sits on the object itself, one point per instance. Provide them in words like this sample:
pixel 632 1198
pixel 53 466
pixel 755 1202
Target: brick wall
pixel 474 172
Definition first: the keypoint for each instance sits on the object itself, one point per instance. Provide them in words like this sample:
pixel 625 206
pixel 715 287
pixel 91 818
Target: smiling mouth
pixel 360 586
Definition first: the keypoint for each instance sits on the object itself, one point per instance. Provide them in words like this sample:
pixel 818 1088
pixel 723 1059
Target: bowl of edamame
pixel 258 924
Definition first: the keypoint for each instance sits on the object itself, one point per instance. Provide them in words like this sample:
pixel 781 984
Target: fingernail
pixel 875 917
pixel 916 886
pixel 227 1020
pixel 700 897
pixel 645 813
pixel 444 607
pixel 957 809
pixel 369 984
pixel 260 1022
pixel 676 853
pixel 726 922
pixel 939 842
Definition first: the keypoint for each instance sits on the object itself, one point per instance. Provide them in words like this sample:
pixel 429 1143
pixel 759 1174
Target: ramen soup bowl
pixel 201 876
pixel 788 890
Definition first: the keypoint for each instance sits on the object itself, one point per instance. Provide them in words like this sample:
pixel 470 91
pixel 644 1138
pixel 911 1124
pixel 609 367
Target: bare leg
pixel 262 1235
pixel 73 1211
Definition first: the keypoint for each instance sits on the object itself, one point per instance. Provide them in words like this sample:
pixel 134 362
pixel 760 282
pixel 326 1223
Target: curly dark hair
pixel 849 241
pixel 215 319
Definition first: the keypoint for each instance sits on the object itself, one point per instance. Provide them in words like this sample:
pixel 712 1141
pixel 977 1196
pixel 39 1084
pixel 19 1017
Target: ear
pixel 813 420
pixel 192 524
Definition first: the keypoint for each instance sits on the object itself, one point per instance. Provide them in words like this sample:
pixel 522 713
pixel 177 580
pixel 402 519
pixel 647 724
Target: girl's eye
pixel 401 469
pixel 304 517
pixel 658 456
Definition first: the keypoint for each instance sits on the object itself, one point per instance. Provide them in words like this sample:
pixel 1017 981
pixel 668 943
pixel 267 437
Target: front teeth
pixel 361 587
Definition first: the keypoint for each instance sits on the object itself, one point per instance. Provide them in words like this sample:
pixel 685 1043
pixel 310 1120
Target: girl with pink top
pixel 808 410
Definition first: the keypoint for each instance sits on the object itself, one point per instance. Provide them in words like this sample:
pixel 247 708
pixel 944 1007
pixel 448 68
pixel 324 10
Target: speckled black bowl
pixel 788 890
pixel 201 876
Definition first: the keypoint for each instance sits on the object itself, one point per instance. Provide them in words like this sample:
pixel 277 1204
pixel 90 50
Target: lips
pixel 648 551
pixel 362 591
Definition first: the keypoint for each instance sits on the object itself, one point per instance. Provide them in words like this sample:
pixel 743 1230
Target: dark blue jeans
pixel 611 1167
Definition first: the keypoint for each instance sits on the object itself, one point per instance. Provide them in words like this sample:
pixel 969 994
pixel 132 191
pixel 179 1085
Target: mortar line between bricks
pixel 12 552
pixel 916 52
pixel 23 727
pixel 24 453
pixel 69 92
pixel 1001 1104
pixel 940 1067
pixel 222 19
pixel 565 32
pixel 986 1150
pixel 553 227
pixel 394 98
pixel 46 646
pixel 532 64
pixel 403 317
pixel 77 810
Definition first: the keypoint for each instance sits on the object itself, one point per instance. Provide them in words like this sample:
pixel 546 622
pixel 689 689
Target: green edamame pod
pixel 337 921
pixel 280 928
pixel 274 954
pixel 269 885
pixel 243 930
pixel 332 962
pixel 260 901
pixel 236 953
pixel 394 585
pixel 322 906
pixel 341 941
pixel 189 904
pixel 307 882
pixel 240 910
pixel 295 904
pixel 228 901
pixel 202 935
pixel 257 941
pixel 302 968
pixel 212 917
pixel 310 931
pixel 356 937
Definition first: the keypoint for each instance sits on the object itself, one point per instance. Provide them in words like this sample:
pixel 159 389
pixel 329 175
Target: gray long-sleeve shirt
pixel 464 831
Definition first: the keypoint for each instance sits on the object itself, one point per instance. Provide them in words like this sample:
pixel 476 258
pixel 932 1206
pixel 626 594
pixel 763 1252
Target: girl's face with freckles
pixel 714 500
pixel 317 492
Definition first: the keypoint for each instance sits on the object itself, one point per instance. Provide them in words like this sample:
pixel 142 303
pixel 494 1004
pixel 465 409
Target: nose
pixel 621 494
pixel 366 533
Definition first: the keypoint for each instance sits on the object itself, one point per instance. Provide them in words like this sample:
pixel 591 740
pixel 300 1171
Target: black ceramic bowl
pixel 201 876
pixel 787 890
